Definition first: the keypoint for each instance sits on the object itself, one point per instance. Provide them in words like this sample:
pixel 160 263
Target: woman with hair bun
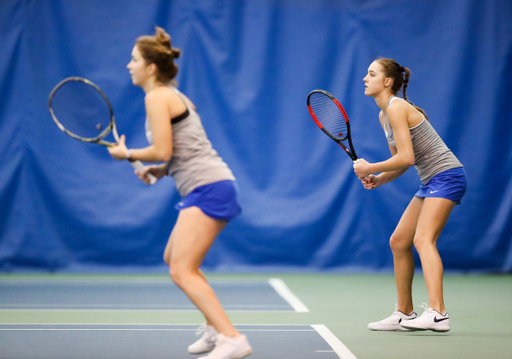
pixel 413 141
pixel 206 184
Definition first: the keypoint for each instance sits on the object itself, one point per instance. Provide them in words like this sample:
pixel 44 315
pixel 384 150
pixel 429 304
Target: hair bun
pixel 162 38
pixel 176 53
pixel 158 50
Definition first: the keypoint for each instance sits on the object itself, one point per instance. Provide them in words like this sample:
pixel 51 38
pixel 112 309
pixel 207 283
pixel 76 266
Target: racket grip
pixel 140 167
pixel 356 161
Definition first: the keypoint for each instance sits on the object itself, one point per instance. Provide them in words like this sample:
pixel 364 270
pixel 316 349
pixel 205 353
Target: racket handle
pixel 356 161
pixel 140 167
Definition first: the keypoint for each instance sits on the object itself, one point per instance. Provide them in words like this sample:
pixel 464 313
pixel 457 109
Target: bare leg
pixel 167 259
pixel 433 217
pixel 401 245
pixel 191 238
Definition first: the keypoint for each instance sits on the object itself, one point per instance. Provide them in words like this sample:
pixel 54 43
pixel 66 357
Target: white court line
pixel 142 329
pixel 138 326
pixel 282 289
pixel 88 329
pixel 278 285
pixel 339 348
pixel 140 310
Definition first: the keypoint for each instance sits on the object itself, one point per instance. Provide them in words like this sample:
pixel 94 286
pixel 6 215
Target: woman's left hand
pixel 362 169
pixel 119 151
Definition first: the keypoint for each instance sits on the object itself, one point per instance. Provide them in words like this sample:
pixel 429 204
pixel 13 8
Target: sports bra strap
pixel 181 117
pixel 185 114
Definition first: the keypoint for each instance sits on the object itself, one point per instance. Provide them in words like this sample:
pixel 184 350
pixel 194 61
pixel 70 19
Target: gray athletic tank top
pixel 194 162
pixel 432 156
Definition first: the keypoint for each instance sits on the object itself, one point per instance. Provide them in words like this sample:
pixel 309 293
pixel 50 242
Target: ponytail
pixel 407 74
pixel 400 76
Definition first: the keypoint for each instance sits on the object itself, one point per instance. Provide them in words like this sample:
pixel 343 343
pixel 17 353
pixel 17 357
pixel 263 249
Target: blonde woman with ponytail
pixel 178 142
pixel 413 141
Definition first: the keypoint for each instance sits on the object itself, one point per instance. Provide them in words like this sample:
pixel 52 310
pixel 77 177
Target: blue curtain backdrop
pixel 248 66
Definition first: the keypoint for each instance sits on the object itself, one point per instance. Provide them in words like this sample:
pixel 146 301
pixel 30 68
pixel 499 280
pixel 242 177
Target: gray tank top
pixel 194 162
pixel 432 156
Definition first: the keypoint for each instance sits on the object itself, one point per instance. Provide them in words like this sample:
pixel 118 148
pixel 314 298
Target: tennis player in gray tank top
pixel 194 162
pixel 431 155
pixel 413 141
pixel 178 142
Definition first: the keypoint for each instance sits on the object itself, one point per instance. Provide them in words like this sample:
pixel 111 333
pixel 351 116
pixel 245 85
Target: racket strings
pixel 81 110
pixel 329 115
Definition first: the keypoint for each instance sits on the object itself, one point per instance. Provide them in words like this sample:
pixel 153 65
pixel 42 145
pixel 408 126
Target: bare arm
pixel 373 181
pixel 159 116
pixel 158 112
pixel 386 177
pixel 402 157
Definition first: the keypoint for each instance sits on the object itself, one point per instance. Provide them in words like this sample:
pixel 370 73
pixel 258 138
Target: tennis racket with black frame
pixel 332 119
pixel 82 111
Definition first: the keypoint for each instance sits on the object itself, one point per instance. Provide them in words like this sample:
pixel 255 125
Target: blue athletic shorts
pixel 450 184
pixel 217 200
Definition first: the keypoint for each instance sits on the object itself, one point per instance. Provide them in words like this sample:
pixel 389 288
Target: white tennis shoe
pixel 431 319
pixel 230 348
pixel 393 322
pixel 206 343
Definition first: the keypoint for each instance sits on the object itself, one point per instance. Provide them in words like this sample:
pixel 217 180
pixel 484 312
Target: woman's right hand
pixel 371 182
pixel 158 171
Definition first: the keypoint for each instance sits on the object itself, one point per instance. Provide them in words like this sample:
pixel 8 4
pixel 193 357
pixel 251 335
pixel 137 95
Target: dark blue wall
pixel 248 66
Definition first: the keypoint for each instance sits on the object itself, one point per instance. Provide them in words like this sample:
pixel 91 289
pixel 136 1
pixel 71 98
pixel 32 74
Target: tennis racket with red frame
pixel 332 119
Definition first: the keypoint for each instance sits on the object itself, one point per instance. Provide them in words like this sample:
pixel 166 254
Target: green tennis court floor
pixel 479 306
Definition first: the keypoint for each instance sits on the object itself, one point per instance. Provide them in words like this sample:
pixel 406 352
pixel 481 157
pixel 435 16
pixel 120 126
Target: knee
pixel 421 243
pixel 399 244
pixel 175 275
pixel 167 255
pixel 167 259
pixel 179 275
